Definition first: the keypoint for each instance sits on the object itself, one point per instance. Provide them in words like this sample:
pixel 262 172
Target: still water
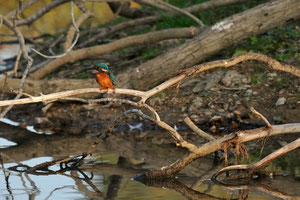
pixel 111 177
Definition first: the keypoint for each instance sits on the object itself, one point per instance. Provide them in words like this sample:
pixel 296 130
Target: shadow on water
pixel 111 177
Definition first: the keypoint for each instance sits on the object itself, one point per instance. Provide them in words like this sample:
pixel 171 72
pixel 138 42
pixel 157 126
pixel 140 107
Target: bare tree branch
pixel 72 30
pixel 41 12
pixel 23 7
pixel 201 133
pixel 113 46
pixel 166 6
pixel 26 56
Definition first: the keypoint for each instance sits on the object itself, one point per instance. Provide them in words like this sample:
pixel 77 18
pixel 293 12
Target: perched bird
pixel 104 77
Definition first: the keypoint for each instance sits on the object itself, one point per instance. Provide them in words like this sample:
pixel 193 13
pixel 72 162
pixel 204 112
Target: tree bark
pixel 228 32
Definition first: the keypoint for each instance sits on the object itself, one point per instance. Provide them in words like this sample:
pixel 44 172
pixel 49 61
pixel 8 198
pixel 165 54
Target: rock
pixel 213 129
pixel 249 92
pixel 246 80
pixel 208 113
pixel 196 104
pixel 272 75
pixel 282 91
pixel 282 143
pixel 232 77
pixel 183 109
pixel 220 110
pixel 280 101
pixel 190 82
pixel 43 123
pixel 226 106
pixel 210 81
pixel 199 87
pixel 217 118
pixel 195 118
pixel 155 101
pixel 277 119
pixel 214 79
pixel 238 102
pixel 233 107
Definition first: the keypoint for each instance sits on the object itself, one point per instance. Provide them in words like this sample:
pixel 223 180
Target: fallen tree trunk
pixel 226 33
pixel 36 87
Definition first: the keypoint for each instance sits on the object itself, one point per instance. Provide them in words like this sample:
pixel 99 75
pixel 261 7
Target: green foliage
pixel 168 21
pixel 254 79
pixel 208 17
pixel 298 96
pixel 279 42
pixel 150 53
pixel 239 52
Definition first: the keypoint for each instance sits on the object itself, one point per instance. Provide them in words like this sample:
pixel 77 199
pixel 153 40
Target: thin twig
pixel 41 12
pixel 26 56
pixel 166 6
pixel 17 62
pixel 261 116
pixel 20 9
pixel 73 44
pixel 74 29
pixel 196 129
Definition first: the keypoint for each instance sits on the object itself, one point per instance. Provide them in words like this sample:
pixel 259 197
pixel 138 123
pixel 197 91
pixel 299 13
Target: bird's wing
pixel 112 77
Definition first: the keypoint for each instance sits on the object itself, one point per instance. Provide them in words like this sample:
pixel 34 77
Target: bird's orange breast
pixel 104 80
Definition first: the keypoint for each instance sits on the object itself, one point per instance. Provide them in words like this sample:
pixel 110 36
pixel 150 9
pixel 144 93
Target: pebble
pixel 233 107
pixel 190 82
pixel 196 104
pixel 216 118
pixel 232 77
pixel 208 113
pixel 246 80
pixel 225 106
pixel 199 87
pixel 282 91
pixel 220 110
pixel 214 79
pixel 272 74
pixel 277 119
pixel 195 118
pixel 238 102
pixel 280 101
pixel 249 92
pixel 155 101
pixel 210 82
pixel 183 109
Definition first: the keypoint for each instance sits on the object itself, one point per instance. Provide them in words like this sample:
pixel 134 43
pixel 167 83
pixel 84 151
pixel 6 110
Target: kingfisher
pixel 104 77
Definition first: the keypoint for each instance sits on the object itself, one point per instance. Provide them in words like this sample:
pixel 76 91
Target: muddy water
pixel 111 176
